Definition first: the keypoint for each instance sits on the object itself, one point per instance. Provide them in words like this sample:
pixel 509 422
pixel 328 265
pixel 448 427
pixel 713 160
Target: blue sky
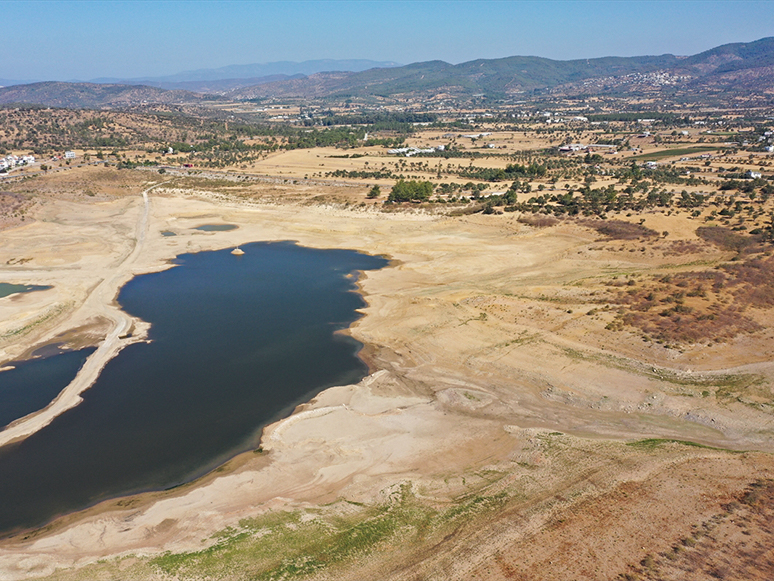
pixel 61 40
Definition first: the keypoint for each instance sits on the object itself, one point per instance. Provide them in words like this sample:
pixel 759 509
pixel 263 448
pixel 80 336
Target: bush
pixel 726 239
pixel 620 230
pixel 411 191
pixel 539 220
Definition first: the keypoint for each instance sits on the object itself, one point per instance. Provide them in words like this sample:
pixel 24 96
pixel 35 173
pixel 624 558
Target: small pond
pixel 6 288
pixel 216 227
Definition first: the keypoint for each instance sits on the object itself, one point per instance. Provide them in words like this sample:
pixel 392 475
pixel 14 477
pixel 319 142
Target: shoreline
pixel 117 341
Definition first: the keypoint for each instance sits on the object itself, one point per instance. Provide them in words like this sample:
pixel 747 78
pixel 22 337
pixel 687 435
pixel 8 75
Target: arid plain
pixel 512 426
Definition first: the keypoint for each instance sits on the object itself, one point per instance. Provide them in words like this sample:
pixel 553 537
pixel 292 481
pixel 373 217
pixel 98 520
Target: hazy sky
pixel 62 40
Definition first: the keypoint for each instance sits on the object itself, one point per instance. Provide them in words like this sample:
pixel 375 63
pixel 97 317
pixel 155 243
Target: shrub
pixel 620 230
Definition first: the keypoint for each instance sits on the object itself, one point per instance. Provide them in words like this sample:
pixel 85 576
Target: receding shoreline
pixel 162 359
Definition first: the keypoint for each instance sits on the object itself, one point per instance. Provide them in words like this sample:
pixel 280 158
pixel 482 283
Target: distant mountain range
pixel 9 82
pixel 740 68
pixel 231 76
pixel 234 76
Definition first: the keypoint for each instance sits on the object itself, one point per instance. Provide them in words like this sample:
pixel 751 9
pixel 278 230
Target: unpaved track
pixel 100 302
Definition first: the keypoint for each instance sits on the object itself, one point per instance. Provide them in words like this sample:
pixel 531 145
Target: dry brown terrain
pixel 516 425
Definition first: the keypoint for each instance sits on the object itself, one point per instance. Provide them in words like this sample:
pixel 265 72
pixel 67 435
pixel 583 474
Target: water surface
pixel 32 385
pixel 237 341
pixel 6 288
pixel 216 227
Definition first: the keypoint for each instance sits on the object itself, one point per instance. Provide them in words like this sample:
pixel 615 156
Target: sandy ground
pixel 472 353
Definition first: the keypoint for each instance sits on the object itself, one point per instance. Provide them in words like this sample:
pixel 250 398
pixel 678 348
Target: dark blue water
pixel 237 341
pixel 32 385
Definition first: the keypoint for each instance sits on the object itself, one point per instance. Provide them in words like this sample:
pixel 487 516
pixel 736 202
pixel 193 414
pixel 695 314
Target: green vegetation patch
pixel 674 152
pixel 295 545
pixel 410 191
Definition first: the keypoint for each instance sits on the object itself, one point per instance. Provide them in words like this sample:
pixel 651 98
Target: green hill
pixel 525 74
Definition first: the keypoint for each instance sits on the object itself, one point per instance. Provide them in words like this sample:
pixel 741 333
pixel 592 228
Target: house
pixel 69 155
pixel 409 151
pixel 753 174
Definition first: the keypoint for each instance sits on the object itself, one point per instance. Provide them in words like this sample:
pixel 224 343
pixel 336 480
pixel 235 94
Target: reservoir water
pixel 32 385
pixel 236 342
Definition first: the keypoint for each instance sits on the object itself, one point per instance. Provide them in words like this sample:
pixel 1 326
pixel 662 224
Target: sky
pixel 67 40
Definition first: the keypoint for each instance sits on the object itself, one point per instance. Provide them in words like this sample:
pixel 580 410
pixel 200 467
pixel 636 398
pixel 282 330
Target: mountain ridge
pixel 519 74
pixel 233 73
pixel 737 69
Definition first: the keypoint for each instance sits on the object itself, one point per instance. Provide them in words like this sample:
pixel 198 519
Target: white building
pixel 409 151
pixel 69 155
pixel 11 161
pixel 571 147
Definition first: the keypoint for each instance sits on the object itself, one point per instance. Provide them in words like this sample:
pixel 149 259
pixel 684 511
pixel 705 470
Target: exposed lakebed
pixel 236 342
